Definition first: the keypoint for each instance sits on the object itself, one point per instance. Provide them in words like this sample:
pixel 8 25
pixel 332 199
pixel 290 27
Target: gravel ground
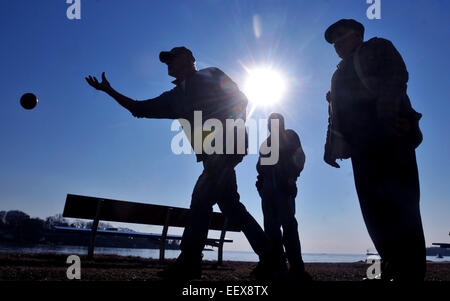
pixel 53 267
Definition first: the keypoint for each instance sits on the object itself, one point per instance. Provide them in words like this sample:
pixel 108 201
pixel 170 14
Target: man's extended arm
pixel 122 100
pixel 159 107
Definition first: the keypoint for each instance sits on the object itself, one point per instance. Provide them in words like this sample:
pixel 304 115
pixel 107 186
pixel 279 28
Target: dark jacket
pixel 208 90
pixel 367 90
pixel 283 175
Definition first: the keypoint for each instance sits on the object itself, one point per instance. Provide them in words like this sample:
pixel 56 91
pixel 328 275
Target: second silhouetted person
pixel 277 187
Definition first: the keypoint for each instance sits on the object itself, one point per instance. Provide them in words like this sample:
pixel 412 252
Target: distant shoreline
pixel 229 255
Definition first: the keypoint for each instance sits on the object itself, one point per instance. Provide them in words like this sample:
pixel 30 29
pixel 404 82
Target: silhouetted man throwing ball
pixel 372 122
pixel 211 92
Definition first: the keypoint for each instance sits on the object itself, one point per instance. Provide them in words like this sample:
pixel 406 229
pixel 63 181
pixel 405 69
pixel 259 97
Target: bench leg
pixel 222 238
pixel 94 229
pixel 162 247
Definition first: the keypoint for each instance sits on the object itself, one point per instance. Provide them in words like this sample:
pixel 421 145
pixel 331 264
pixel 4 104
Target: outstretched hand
pixel 103 86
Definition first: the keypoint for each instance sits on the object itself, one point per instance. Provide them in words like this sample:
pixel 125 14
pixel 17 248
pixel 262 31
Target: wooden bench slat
pixel 85 207
pixel 152 236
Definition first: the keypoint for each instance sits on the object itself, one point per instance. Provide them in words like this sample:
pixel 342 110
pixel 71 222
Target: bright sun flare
pixel 264 86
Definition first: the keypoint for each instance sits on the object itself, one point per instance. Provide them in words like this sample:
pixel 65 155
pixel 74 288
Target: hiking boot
pixel 269 269
pixel 299 274
pixel 180 272
pixel 183 269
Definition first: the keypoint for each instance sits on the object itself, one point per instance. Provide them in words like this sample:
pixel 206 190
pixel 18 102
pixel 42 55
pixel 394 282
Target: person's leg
pixel 196 231
pixel 272 224
pixel 188 263
pixel 291 240
pixel 407 252
pixel 236 213
pixel 363 173
pixel 388 190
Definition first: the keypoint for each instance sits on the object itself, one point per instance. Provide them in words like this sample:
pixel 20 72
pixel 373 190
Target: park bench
pixel 101 209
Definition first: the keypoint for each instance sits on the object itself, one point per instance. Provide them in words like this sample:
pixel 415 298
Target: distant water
pixel 208 255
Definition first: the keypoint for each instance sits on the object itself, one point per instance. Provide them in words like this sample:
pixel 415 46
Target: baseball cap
pixel 167 56
pixel 348 23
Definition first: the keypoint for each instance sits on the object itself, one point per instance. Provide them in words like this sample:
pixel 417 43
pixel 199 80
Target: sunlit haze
pixel 264 86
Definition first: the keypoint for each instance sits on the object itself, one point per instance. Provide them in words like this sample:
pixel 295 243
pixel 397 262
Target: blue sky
pixel 78 140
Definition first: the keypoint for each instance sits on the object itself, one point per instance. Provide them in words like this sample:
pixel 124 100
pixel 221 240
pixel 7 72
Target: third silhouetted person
pixel 277 187
pixel 372 122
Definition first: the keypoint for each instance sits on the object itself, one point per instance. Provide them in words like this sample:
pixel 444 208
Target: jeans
pixel 387 183
pixel 279 212
pixel 217 184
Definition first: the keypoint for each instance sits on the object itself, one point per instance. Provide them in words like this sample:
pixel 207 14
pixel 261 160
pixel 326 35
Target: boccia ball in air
pixel 28 101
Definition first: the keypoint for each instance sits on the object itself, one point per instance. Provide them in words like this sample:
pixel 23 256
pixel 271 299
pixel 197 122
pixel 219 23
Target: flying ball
pixel 28 101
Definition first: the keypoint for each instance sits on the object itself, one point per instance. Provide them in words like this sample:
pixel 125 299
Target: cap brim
pixel 165 56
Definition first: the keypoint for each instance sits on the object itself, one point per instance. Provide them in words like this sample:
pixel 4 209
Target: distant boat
pixel 370 254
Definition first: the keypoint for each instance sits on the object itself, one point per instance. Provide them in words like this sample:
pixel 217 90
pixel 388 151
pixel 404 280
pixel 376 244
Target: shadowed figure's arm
pixel 329 157
pixel 158 107
pixel 299 157
pixel 104 86
pixel 392 78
